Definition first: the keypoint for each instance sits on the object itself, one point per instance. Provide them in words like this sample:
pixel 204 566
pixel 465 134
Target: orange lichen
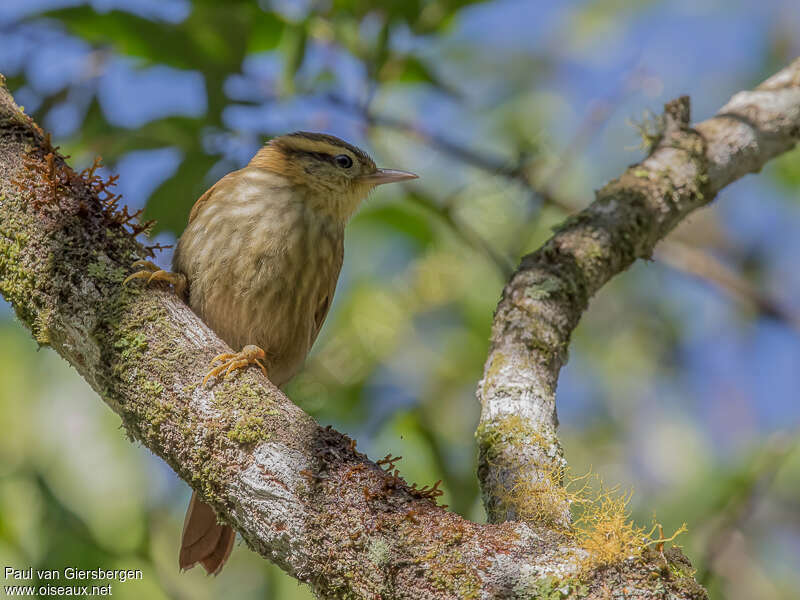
pixel 47 181
pixel 388 461
pixel 110 201
pixel 425 492
pixel 353 470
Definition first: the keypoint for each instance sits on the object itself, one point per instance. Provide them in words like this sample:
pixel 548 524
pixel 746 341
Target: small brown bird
pixel 259 259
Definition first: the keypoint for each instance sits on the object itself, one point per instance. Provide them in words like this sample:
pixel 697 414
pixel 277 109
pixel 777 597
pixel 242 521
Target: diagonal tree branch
pixel 299 494
pixel 545 298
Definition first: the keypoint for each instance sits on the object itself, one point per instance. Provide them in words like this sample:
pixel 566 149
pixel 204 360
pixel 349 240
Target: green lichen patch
pixel 248 430
pixel 243 398
pixel 237 394
pixel 17 278
pixel 378 552
pixel 103 271
pixel 543 289
pixel 550 588
pixel 160 412
pixel 121 332
pixel 507 430
pixel 451 572
pixel 208 477
pixel 41 328
pixel 131 346
pixel 153 388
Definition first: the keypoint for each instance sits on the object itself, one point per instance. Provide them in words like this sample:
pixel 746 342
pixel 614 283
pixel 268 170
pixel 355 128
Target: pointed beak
pixel 382 176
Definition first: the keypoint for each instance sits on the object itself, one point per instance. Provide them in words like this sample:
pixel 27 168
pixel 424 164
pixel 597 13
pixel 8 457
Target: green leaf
pixel 128 34
pixel 294 47
pixel 415 70
pixel 787 169
pixel 266 32
pixel 420 15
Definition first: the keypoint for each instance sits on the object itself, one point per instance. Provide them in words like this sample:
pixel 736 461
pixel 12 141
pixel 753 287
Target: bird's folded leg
pixel 152 272
pixel 239 360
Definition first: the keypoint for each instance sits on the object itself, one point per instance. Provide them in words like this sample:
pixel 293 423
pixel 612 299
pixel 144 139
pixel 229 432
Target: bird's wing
pixel 324 303
pixel 228 180
pixel 319 315
pixel 246 183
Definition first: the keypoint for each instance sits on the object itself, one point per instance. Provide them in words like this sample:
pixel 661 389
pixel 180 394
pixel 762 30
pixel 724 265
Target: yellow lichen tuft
pixel 605 530
pixel 650 128
pixel 603 526
pixel 601 523
pixel 541 500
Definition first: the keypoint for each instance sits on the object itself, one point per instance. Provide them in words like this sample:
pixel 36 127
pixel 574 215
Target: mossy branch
pixel 301 495
pixel 545 298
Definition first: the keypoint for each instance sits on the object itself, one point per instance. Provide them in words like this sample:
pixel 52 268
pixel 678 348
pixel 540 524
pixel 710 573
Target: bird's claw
pixel 153 272
pixel 239 360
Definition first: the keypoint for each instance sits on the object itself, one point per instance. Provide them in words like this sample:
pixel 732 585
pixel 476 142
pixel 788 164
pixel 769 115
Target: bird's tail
pixel 204 540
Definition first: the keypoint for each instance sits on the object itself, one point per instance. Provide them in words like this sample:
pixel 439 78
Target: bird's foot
pixel 231 361
pixel 152 272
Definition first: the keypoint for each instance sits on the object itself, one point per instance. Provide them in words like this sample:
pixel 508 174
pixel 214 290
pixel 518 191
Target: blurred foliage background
pixel 683 377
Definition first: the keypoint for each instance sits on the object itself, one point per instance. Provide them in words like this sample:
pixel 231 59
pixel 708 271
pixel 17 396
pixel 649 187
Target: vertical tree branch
pixel 546 296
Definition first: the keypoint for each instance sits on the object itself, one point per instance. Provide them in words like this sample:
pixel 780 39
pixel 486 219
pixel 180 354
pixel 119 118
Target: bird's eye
pixel 343 161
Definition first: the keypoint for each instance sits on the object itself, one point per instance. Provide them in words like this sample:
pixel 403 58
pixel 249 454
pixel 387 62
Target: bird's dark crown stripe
pixel 285 143
pixel 323 156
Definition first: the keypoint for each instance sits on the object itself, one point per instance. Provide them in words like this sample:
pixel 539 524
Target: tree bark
pixel 301 495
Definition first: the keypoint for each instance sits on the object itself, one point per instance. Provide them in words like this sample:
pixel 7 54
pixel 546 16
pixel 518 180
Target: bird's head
pixel 336 175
